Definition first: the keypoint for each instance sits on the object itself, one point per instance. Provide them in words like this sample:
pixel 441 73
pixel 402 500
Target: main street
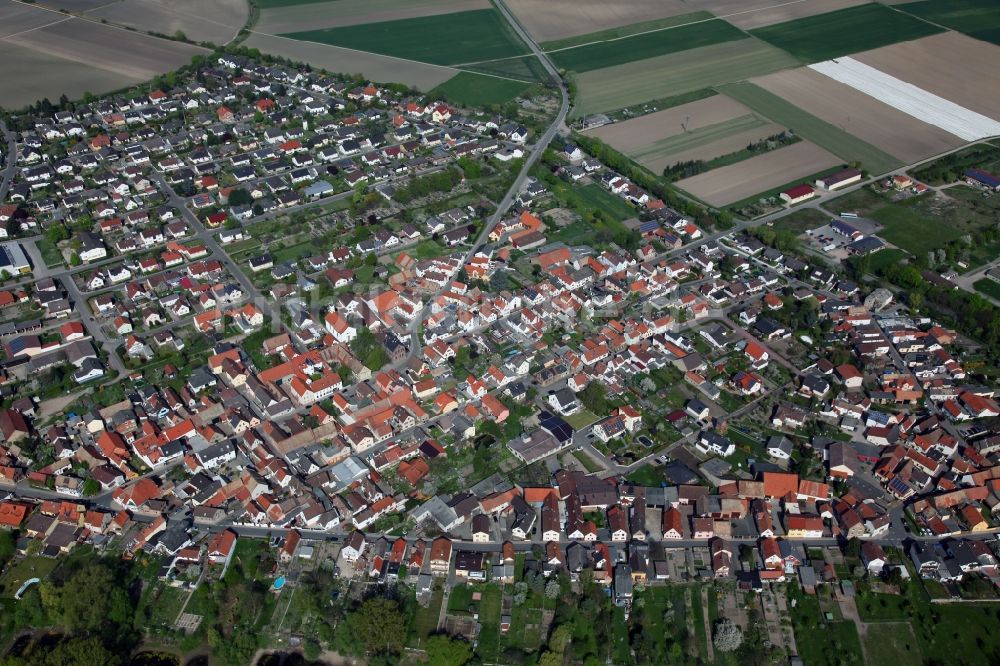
pixel 519 182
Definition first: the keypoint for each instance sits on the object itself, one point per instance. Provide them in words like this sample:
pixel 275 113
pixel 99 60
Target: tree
pixel 444 651
pixel 91 487
pixel 594 398
pixel 727 635
pixel 552 589
pixel 380 625
pixel 239 197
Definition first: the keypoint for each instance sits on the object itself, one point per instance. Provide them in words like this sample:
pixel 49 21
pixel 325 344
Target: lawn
pixel 471 89
pixel 460 599
pixel 884 258
pixel 846 146
pixel 820 642
pixel 581 419
pixel 889 644
pixel 976 18
pixel 50 253
pixel 988 286
pixel 881 606
pixel 647 475
pixel 32 566
pixel 488 646
pixel 447 39
pixel 907 228
pixel 802 220
pixel 650 45
pixel 425 621
pixel 837 33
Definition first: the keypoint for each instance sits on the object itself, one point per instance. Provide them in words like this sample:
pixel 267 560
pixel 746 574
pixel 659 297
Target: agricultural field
pixel 616 87
pixel 46 54
pixel 700 130
pixel 976 18
pixel 837 33
pixel 782 12
pixel 22 85
pixel 867 118
pixel 217 21
pixel 834 139
pixel 910 99
pixel 953 66
pixel 469 89
pixel 526 68
pixel 129 54
pixel 339 13
pixel 549 20
pixel 609 53
pixel 737 182
pixel 461 37
pixel 372 65
pixel 621 32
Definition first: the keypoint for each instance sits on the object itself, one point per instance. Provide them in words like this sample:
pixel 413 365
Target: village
pixel 416 344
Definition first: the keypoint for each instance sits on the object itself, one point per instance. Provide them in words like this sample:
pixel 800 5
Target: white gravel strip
pixel 908 98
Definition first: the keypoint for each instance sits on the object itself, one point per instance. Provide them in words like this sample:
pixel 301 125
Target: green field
pixel 488 645
pixel 650 45
pixel 837 33
pixel 593 197
pixel 802 221
pixel 447 39
pixel 976 18
pixel 656 150
pixel 885 258
pixel 527 68
pixel 988 286
pixel 928 222
pixel 627 30
pixel 469 89
pixel 909 229
pixel 845 146
pixel 676 74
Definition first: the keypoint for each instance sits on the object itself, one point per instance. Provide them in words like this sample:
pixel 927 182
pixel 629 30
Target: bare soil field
pixel 338 13
pixel 131 55
pixel 549 20
pixel 780 12
pixel 634 134
pixel 959 68
pixel 73 5
pixel 674 74
pixel 875 122
pixel 742 180
pixel 16 18
pixel 30 75
pixel 379 68
pixel 215 21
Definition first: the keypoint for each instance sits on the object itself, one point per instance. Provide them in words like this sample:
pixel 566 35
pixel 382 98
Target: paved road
pixel 10 161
